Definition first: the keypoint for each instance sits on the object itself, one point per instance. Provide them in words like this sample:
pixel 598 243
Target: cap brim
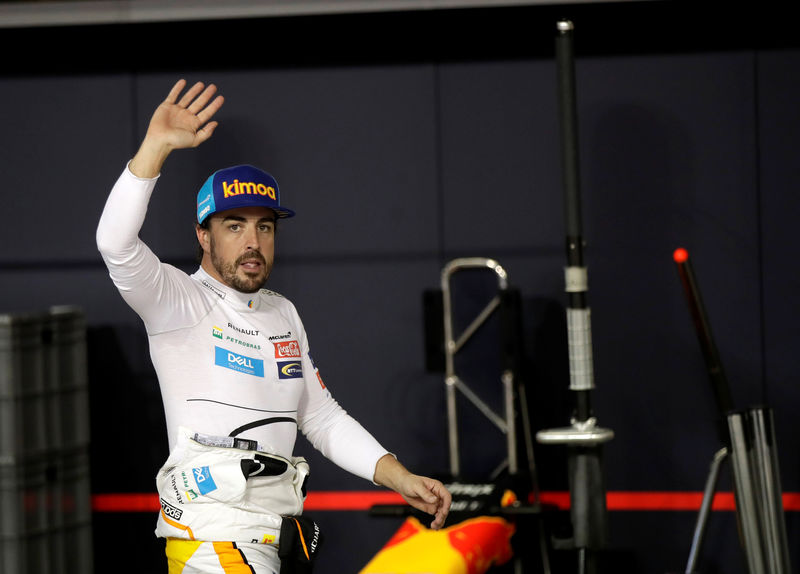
pixel 283 212
pixel 251 201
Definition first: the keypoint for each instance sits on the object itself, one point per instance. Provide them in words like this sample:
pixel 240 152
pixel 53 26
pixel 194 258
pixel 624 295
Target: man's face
pixel 239 247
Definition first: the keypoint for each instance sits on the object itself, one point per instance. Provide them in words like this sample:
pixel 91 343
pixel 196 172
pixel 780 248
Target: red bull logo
pixel 246 187
pixel 469 547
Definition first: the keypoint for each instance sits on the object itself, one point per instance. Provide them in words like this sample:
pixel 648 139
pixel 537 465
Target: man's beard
pixel 251 282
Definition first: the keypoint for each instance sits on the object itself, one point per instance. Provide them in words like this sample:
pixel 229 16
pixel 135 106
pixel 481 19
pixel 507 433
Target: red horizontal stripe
pixel 347 500
pixel 127 502
pixel 364 500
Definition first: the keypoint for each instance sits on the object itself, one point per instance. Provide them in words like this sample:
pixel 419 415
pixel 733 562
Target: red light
pixel 680 255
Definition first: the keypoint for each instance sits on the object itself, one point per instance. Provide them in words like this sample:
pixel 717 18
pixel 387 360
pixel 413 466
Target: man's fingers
pixel 200 101
pixel 439 517
pixel 208 112
pixel 444 499
pixel 432 497
pixel 172 97
pixel 439 493
pixel 191 94
pixel 438 522
pixel 205 133
pixel 428 496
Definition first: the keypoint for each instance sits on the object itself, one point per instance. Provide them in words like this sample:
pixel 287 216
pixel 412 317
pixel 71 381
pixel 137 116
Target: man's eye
pixel 267 227
pixel 234 227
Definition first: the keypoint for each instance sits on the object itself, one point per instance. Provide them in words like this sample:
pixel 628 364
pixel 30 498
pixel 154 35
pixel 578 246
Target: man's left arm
pixel 423 493
pixel 344 441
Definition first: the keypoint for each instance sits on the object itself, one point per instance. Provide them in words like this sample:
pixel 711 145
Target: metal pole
pixel 716 373
pixel 749 435
pixel 705 509
pixel 764 461
pixel 451 347
pixel 584 439
pixel 746 492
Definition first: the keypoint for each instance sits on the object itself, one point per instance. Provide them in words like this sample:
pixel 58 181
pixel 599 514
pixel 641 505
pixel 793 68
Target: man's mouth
pixel 252 263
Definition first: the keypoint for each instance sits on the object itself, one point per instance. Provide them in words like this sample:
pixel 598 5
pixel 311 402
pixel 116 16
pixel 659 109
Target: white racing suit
pixel 230 365
pixel 218 493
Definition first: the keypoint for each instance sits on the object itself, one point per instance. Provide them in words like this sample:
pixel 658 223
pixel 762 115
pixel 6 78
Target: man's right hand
pixel 177 124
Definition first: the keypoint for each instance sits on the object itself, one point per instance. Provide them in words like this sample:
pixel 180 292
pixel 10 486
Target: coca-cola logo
pixel 287 349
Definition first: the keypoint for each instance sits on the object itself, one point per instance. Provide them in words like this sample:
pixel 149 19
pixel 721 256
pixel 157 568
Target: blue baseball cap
pixel 239 186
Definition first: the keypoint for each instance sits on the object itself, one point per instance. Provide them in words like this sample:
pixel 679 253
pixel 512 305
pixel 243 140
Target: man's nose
pixel 251 238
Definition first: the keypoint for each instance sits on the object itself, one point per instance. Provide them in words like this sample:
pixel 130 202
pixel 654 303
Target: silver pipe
pixel 511 428
pixel 451 347
pixel 498 421
pixel 450 378
pixel 452 425
pixel 745 491
pixel 476 323
pixel 765 466
pixel 705 509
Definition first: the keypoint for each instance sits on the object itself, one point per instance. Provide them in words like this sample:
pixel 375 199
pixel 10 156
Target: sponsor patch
pixel 253 332
pixel 287 349
pixel 205 483
pixel 289 369
pixel 170 510
pixel 175 490
pixel 216 331
pixel 288 335
pixel 268 539
pixel 271 293
pixel 248 187
pixel 255 346
pixel 316 370
pixel 209 286
pixel 237 362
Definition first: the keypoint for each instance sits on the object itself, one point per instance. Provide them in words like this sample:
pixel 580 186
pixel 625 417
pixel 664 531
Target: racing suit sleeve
pixel 330 429
pixel 156 291
pixel 342 439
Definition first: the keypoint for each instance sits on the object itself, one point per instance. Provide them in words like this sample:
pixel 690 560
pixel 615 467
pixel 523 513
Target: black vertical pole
pixel 581 380
pixel 583 439
pixel 587 488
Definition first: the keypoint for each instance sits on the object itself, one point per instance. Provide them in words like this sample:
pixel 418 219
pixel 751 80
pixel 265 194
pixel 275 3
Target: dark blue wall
pixel 404 140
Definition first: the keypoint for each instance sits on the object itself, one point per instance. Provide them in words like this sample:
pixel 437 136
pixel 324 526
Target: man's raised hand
pixel 179 122
pixel 184 123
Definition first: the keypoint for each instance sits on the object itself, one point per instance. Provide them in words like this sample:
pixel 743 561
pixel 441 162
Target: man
pixel 233 364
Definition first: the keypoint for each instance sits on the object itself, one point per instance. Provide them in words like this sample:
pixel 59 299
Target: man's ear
pixel 203 237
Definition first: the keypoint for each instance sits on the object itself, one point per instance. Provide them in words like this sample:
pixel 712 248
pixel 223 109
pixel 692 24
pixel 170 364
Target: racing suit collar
pixel 240 301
